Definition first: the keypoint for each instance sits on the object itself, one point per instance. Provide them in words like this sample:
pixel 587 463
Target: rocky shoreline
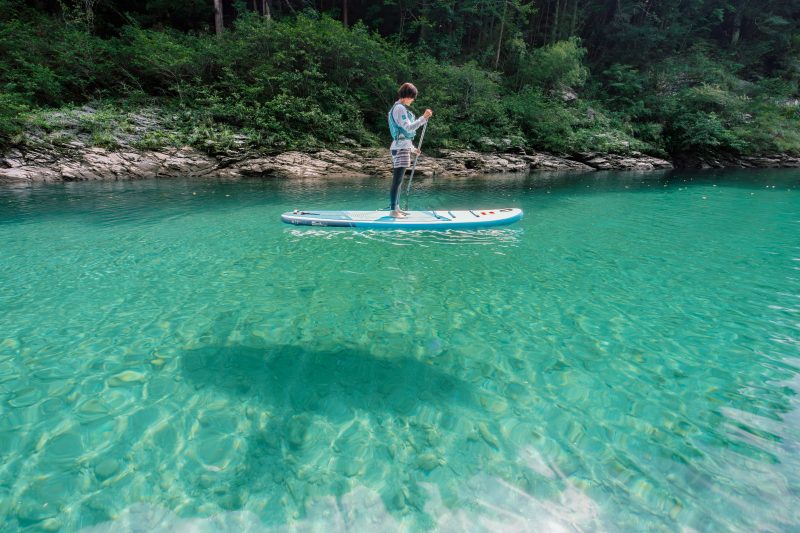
pixel 79 163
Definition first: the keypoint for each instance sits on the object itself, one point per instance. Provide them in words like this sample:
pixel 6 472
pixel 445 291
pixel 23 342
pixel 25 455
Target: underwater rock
pixel 106 468
pixel 128 376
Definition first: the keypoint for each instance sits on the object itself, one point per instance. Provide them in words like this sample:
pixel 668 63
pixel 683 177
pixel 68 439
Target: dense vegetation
pixel 699 76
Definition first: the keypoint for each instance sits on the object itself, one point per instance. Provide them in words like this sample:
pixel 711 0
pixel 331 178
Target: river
pixel 627 357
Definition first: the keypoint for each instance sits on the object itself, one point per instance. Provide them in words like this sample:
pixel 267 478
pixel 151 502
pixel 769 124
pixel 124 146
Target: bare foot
pixel 398 214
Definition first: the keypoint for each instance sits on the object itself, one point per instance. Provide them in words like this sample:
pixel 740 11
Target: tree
pixel 500 39
pixel 218 22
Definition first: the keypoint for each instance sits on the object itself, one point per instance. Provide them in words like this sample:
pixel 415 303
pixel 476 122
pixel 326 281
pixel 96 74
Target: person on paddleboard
pixel 403 126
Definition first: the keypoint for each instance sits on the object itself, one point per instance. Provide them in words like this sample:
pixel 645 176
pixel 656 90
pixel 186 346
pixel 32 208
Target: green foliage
pixel 467 101
pixel 772 128
pixel 162 62
pixel 12 106
pixel 624 86
pixel 553 126
pixel 155 140
pixel 545 123
pixel 212 138
pixel 301 84
pixel 703 119
pixel 701 76
pixel 554 66
pixel 51 62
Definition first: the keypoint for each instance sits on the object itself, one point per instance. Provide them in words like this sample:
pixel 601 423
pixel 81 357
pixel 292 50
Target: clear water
pixel 627 357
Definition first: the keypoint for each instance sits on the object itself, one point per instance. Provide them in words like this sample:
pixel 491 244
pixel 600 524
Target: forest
pixel 565 76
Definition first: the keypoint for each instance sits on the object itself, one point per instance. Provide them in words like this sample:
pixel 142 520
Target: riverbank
pixel 90 144
pixel 77 162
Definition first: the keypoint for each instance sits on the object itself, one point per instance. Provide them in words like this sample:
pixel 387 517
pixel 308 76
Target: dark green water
pixel 625 358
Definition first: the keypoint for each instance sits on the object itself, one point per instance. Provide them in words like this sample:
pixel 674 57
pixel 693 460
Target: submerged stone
pixel 128 376
pixel 106 468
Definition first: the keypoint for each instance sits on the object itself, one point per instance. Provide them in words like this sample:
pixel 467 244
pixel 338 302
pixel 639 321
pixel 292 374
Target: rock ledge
pixel 75 162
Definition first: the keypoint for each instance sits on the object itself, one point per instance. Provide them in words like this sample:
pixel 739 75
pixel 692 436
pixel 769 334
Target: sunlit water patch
pixel 173 357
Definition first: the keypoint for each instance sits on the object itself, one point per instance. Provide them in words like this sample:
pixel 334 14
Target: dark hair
pixel 407 90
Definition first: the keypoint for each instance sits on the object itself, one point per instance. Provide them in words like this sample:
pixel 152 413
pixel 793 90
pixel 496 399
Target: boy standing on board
pixel 403 127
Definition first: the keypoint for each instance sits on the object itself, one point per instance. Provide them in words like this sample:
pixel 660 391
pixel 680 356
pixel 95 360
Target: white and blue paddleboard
pixel 428 220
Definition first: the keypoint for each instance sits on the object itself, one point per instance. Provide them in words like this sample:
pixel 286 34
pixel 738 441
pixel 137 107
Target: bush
pixel 51 62
pixel 164 62
pixel 550 124
pixel 544 122
pixel 12 107
pixel 467 102
pixel 306 81
pixel 554 66
pixel 703 119
pixel 624 90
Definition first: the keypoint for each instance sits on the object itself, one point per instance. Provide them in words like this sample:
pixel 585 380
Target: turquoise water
pixel 627 357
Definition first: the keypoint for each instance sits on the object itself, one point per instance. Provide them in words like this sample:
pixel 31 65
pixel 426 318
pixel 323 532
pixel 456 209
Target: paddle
pixel 414 166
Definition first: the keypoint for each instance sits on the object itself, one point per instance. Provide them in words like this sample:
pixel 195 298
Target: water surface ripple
pixel 627 357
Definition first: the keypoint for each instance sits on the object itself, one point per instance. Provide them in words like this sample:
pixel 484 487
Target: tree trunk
pixel 574 18
pixel 500 39
pixel 218 16
pixel 423 30
pixel 265 9
pixel 451 14
pixel 482 43
pixel 344 12
pixel 737 23
pixel 545 19
pixel 532 26
pixel 556 33
pixel 88 7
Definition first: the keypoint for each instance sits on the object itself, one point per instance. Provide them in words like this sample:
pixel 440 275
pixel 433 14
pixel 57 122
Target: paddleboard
pixel 429 220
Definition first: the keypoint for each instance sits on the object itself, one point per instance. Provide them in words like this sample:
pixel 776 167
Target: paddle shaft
pixel 414 166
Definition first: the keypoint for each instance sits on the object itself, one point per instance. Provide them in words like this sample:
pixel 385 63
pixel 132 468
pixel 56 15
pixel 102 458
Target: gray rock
pixel 542 161
pixel 733 161
pixel 567 94
pixel 74 161
pixel 630 161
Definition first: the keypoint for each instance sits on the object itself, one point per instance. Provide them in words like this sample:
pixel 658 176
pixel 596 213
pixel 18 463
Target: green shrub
pixel 51 61
pixel 703 119
pixel 305 81
pixel 545 123
pixel 560 64
pixel 12 108
pixel 624 88
pixel 155 140
pixel 467 102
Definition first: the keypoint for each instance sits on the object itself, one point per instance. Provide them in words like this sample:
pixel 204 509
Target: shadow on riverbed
pixel 330 420
pixel 331 383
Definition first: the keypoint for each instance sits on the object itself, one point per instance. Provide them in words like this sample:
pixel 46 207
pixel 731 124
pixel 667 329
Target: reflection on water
pixel 500 238
pixel 173 357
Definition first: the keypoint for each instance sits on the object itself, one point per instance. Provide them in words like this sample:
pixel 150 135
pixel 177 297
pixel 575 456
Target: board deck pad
pixel 441 219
